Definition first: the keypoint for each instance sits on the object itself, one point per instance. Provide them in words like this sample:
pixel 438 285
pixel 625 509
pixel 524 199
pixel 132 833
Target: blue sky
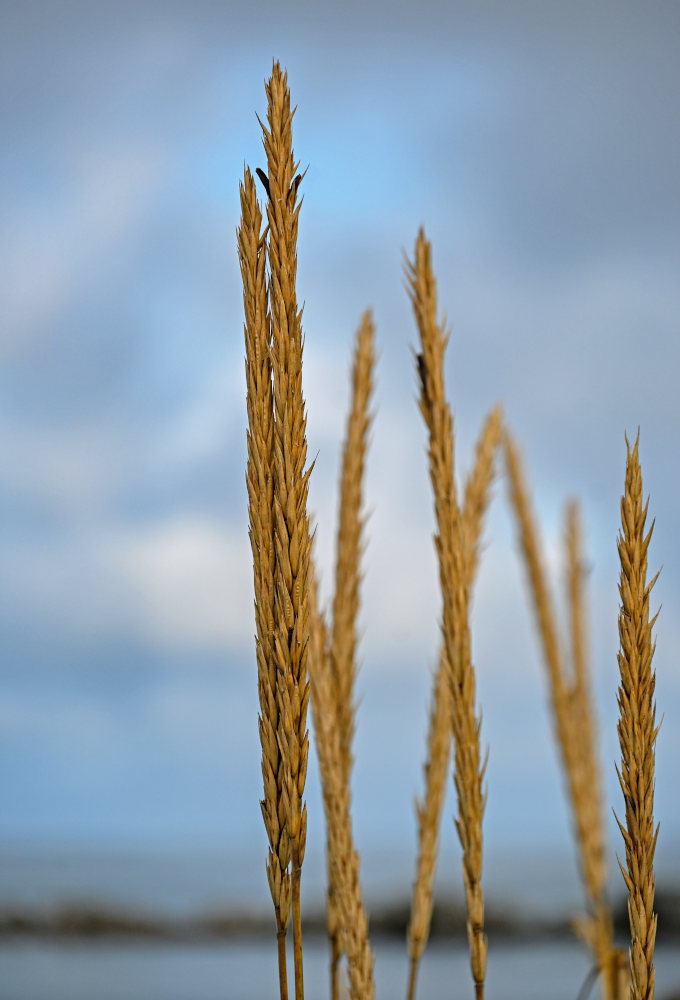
pixel 539 147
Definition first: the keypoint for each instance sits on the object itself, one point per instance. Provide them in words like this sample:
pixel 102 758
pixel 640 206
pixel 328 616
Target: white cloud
pixel 184 583
pixel 187 581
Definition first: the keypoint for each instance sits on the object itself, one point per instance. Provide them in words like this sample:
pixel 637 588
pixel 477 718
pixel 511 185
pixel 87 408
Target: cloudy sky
pixel 540 149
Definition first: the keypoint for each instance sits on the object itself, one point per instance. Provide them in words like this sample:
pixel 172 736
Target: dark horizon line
pixel 100 921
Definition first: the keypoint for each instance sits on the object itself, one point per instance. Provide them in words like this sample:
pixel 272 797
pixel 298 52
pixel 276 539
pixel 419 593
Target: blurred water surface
pixel 247 971
pixel 180 883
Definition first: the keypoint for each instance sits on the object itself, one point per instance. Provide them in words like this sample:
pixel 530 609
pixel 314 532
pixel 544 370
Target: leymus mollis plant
pixel 428 810
pixel 351 920
pixel 291 483
pixel 573 717
pixel 292 635
pixel 343 638
pixel 452 554
pixel 637 727
pixel 278 486
pixel 260 482
pixel 586 780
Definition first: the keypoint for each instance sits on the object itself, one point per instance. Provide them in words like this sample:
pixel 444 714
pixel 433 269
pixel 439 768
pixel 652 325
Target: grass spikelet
pixel 291 482
pixel 477 488
pixel 451 553
pixel 252 256
pixel 343 639
pixel 352 921
pixel 637 727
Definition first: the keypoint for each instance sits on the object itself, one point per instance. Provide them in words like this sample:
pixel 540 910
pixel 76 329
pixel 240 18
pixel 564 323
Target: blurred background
pixel 539 146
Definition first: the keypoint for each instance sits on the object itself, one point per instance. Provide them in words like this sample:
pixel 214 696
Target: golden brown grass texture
pixel 637 727
pixel 343 639
pixel 452 553
pixel 428 817
pixel 349 544
pixel 586 776
pixel 278 488
pixel 477 488
pixel 352 921
pixel 291 482
pixel 573 714
pixel 259 478
pixel 428 811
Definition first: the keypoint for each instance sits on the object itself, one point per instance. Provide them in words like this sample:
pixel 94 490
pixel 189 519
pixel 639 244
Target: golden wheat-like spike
pixel 637 727
pixel 581 700
pixel 428 811
pixel 259 478
pixel 451 553
pixel 586 783
pixel 291 483
pixel 349 544
pixel 343 640
pixel 540 593
pixel 352 921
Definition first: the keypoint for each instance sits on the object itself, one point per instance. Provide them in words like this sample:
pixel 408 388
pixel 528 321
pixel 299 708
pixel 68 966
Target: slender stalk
pixel 297 931
pixel 412 978
pixel 283 974
pixel 637 727
pixel 336 951
pixel 452 556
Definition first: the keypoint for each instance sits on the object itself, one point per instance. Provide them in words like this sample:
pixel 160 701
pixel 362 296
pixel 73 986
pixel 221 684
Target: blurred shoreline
pixel 193 894
pixel 101 921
